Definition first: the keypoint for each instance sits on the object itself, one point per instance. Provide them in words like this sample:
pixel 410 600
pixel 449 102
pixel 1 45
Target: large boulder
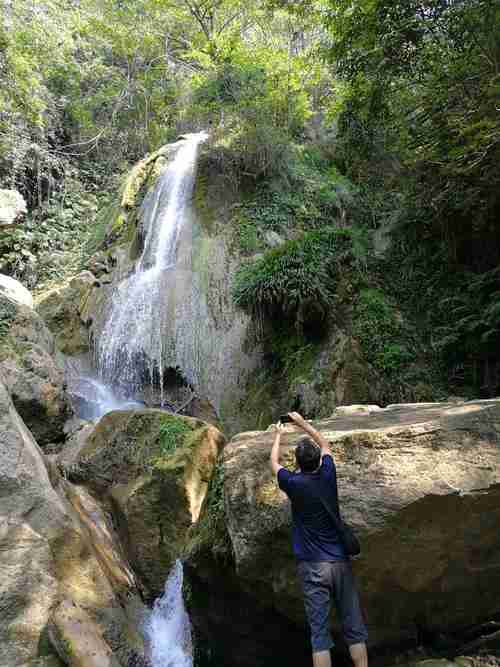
pixel 420 484
pixel 33 370
pixel 61 310
pixel 32 517
pixel 153 469
pixel 12 207
pixel 56 544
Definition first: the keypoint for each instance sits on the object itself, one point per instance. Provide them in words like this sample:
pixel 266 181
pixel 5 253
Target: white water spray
pixel 130 350
pixel 168 630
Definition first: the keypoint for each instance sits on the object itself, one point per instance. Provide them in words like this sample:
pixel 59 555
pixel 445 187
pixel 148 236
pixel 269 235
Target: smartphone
pixel 285 419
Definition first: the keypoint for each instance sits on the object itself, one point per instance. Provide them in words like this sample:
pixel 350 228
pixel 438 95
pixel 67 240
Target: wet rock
pixel 12 207
pixel 420 484
pixel 61 310
pixel 154 469
pixel 33 371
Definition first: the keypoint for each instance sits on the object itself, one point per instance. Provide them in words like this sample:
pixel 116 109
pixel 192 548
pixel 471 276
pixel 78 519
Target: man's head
pixel 307 455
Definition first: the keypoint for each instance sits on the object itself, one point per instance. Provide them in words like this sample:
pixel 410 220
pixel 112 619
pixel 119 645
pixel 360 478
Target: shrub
pixel 296 279
pixel 381 332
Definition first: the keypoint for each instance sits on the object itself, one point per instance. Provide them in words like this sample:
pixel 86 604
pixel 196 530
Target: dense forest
pixel 365 133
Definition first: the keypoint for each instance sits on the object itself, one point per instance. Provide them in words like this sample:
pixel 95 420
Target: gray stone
pixel 33 371
pixel 15 291
pixel 62 308
pixel 273 239
pixel 12 207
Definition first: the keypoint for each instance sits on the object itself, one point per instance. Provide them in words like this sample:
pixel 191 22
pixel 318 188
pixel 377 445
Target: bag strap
pixel 335 515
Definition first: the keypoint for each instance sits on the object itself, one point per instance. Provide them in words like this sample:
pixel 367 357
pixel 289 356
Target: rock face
pixel 15 291
pixel 153 470
pixel 12 207
pixel 61 310
pixel 54 546
pixel 31 518
pixel 78 638
pixel 33 371
pixel 419 483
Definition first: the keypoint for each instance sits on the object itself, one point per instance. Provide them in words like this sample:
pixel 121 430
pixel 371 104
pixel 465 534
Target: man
pixel 323 566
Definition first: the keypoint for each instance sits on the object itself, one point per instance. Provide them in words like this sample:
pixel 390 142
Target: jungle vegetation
pixel 368 116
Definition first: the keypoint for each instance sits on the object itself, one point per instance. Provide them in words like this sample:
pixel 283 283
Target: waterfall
pixel 131 348
pixel 168 630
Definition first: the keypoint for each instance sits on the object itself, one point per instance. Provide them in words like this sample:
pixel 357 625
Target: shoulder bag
pixel 347 537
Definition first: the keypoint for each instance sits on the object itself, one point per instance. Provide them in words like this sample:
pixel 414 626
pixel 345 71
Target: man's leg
pixel 353 623
pixel 322 659
pixel 359 655
pixel 317 598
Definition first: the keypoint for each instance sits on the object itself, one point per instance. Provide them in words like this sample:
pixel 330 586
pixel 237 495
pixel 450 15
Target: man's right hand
pixel 297 419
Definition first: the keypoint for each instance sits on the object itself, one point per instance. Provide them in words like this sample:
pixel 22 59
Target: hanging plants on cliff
pixel 296 280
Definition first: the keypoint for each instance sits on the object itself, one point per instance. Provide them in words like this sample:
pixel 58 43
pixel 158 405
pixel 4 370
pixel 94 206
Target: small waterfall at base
pixel 168 630
pixel 131 348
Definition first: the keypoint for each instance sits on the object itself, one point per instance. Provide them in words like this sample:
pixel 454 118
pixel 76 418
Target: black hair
pixel 307 455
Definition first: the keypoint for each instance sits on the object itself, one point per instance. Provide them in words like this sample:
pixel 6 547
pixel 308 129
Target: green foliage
pixel 380 330
pixel 296 279
pixel 55 240
pixel 261 99
pixel 171 433
pixel 8 312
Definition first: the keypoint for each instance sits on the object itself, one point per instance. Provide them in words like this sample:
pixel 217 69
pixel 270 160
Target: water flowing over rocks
pixel 33 371
pixel 421 486
pixel 168 307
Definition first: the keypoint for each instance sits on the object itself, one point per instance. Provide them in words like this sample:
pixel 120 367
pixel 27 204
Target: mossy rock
pixel 125 217
pixel 33 372
pixel 154 469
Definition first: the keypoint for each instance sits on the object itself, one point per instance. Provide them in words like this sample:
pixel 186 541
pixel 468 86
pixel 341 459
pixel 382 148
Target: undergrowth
pixel 8 312
pixel 297 279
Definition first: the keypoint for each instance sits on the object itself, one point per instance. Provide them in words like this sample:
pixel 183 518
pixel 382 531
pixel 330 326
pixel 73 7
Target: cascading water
pixel 131 348
pixel 168 630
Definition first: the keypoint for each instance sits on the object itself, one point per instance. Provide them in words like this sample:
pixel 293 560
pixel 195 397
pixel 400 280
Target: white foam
pixel 168 630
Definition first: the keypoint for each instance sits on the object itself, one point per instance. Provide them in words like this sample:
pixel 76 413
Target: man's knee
pixel 359 654
pixel 321 659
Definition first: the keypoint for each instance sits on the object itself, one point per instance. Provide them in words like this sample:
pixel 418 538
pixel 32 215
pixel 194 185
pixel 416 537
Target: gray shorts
pixel 321 581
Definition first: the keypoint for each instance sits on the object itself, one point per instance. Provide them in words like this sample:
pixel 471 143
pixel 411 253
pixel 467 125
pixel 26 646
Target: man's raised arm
pixel 299 421
pixel 275 451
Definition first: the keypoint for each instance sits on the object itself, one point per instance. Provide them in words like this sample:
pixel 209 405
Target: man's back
pixel 314 534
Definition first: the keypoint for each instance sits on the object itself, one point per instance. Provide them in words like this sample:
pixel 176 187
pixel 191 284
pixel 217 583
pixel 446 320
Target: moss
pixel 134 183
pixel 202 204
pixel 203 261
pixel 8 312
pixel 174 444
pixel 150 440
pixel 210 531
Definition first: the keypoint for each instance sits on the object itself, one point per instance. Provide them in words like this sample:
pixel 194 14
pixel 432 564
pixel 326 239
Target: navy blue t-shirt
pixel 315 537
